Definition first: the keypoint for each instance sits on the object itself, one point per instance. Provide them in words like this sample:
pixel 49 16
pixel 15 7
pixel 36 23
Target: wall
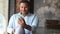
pixel 47 9
pixel 37 5
pixel 3 16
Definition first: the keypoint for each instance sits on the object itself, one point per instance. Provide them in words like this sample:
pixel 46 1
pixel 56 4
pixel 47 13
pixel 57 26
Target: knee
pixel 19 30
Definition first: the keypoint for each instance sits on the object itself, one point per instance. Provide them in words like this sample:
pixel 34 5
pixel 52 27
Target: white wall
pixel 4 12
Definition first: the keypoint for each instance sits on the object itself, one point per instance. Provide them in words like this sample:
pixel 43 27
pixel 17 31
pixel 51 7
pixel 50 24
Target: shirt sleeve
pixel 10 26
pixel 35 23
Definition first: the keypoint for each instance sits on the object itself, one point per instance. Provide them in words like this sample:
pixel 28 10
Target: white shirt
pixel 30 19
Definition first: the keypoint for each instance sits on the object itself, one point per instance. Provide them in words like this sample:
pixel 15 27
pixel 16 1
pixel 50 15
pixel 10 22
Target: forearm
pixel 28 27
pixel 31 28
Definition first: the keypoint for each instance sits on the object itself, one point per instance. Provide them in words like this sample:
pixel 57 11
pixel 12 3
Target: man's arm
pixel 28 27
pixel 34 25
pixel 10 26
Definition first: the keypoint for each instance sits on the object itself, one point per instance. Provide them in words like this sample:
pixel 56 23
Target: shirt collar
pixel 26 15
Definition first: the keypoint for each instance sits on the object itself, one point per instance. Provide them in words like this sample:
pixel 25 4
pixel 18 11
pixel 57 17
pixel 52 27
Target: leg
pixel 19 30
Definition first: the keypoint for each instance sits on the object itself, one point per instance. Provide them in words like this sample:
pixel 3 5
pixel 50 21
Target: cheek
pixel 20 9
pixel 26 9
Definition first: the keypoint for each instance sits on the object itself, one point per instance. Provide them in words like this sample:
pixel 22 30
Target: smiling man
pixel 23 22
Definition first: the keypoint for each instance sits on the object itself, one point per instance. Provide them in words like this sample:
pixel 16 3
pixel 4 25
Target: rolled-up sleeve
pixel 35 23
pixel 10 26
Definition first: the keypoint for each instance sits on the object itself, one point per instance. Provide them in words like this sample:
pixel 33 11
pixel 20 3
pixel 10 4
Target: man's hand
pixel 22 22
pixel 13 31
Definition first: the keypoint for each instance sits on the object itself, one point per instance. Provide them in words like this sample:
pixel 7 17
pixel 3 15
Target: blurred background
pixel 48 12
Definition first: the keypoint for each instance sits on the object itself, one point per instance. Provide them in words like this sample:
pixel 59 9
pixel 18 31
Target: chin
pixel 24 13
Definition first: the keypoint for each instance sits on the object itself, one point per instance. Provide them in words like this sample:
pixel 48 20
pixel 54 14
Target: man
pixel 27 24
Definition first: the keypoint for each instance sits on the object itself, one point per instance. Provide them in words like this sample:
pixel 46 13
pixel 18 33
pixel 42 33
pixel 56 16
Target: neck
pixel 25 14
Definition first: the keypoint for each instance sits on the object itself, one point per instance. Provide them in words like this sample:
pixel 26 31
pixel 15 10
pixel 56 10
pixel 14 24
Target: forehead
pixel 23 3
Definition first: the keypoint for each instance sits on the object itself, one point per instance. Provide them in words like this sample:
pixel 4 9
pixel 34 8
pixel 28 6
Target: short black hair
pixel 25 2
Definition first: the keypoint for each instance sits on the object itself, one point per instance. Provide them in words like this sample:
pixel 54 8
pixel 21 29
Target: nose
pixel 23 8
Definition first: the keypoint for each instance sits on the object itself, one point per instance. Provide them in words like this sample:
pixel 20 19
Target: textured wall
pixel 37 5
pixel 47 9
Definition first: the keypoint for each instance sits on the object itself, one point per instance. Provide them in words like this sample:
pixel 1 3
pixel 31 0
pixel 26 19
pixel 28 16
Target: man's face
pixel 24 8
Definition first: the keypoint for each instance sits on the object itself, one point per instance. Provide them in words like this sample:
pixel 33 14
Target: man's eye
pixel 21 7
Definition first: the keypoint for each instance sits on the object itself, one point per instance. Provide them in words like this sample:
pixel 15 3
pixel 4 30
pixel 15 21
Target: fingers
pixel 19 19
pixel 22 20
pixel 13 31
